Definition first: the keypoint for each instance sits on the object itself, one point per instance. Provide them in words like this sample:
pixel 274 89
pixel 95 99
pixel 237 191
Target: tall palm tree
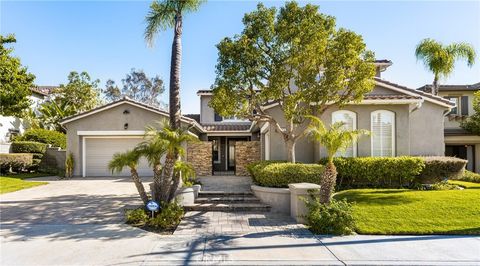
pixel 334 139
pixel 440 59
pixel 129 159
pixel 172 141
pixel 169 14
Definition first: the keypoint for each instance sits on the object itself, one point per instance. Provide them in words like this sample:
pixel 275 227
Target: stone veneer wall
pixel 199 155
pixel 245 152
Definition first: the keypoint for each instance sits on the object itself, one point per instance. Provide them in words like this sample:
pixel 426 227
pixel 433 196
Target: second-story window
pixel 217 118
pixel 461 105
pixel 456 100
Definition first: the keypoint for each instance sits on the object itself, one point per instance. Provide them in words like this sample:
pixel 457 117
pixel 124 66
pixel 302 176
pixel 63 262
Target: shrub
pixel 335 218
pixel 379 172
pixel 282 174
pixel 55 138
pixel 136 216
pixel 15 161
pixel 69 164
pixel 169 217
pixel 441 168
pixel 469 176
pixel 254 167
pixel 28 147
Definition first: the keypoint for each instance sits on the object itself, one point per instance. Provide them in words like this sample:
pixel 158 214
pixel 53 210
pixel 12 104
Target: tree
pixel 472 123
pixel 295 58
pixel 129 159
pixel 15 81
pixel 137 86
pixel 440 59
pixel 169 14
pixel 170 141
pixel 80 94
pixel 334 139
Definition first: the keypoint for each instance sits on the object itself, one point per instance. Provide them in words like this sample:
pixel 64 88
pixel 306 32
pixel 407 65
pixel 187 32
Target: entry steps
pixel 227 202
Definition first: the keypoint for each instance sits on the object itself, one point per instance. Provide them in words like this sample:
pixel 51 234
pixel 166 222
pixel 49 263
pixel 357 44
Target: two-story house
pixel 458 142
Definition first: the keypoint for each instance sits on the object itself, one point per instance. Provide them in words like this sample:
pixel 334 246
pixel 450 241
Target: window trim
pixel 458 102
pixel 394 135
pixel 354 127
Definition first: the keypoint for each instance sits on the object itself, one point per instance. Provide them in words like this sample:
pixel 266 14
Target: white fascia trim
pixel 386 102
pixel 264 128
pixel 236 133
pixel 412 94
pixel 111 133
pixel 204 93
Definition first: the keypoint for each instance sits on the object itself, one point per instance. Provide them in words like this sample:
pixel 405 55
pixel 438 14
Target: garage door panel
pixel 99 152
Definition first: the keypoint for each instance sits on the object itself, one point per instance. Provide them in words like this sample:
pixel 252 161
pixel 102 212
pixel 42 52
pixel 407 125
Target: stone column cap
pixel 303 186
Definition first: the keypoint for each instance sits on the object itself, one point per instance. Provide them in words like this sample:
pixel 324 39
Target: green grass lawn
pixel 404 211
pixel 10 183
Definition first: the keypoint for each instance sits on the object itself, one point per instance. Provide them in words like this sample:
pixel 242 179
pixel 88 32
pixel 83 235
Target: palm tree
pixel 171 141
pixel 440 59
pixel 334 139
pixel 129 159
pixel 169 14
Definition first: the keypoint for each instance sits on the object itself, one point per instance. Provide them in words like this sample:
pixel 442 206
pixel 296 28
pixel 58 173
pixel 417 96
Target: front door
pixel 231 155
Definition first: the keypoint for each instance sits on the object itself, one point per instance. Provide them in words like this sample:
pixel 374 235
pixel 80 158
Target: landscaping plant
pixel 334 139
pixel 69 164
pixel 54 138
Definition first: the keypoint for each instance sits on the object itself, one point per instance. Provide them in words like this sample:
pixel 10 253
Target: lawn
pixel 10 183
pixel 403 211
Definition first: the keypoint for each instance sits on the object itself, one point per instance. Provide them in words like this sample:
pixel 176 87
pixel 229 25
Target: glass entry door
pixel 231 154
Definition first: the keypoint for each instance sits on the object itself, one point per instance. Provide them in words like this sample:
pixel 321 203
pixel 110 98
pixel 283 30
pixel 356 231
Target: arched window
pixel 349 119
pixel 383 133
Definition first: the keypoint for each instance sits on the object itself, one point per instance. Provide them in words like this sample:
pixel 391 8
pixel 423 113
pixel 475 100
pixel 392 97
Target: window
pixel 456 100
pixel 349 119
pixel 383 133
pixel 216 150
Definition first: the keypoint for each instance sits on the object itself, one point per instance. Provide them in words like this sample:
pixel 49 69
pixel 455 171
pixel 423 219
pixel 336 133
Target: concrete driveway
pixel 79 222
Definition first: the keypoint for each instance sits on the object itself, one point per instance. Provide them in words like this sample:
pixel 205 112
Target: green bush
pixel 282 174
pixel 169 217
pixel 28 147
pixel 469 176
pixel 335 218
pixel 441 168
pixel 254 167
pixel 136 216
pixel 379 172
pixel 15 161
pixel 55 138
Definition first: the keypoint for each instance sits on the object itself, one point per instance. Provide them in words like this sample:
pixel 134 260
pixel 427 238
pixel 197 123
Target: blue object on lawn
pixel 153 206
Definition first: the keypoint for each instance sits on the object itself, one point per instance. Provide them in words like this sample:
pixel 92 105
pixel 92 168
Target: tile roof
pixel 224 126
pixel 195 117
pixel 456 132
pixel 391 97
pixel 383 61
pixel 472 87
pixel 43 90
pixel 421 93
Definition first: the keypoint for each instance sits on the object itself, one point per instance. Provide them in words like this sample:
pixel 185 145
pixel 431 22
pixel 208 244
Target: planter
pixel 277 198
pixel 185 196
pixel 196 190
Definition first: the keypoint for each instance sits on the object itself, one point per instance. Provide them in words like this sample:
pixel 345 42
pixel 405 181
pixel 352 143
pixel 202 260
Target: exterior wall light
pixel 126 112
pixel 125 126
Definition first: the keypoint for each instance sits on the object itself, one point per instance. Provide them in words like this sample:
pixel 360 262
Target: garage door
pixel 99 151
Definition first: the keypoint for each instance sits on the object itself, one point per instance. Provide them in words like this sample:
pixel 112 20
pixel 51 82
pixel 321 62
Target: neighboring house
pixel 11 126
pixel 403 121
pixel 458 142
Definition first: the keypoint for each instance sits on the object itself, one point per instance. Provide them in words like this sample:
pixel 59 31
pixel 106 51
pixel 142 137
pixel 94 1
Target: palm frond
pixel 119 161
pixel 160 17
pixel 463 51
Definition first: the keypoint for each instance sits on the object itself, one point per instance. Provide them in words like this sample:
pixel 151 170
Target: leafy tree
pixel 472 123
pixel 334 139
pixel 440 59
pixel 169 14
pixel 15 81
pixel 137 86
pixel 292 57
pixel 129 159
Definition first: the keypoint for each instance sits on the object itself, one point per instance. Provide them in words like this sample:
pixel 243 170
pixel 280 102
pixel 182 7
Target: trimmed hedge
pixel 469 176
pixel 28 147
pixel 16 161
pixel 55 138
pixel 378 172
pixel 441 168
pixel 274 174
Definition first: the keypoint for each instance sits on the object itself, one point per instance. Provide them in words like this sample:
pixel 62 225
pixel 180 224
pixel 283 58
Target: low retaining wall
pixel 54 157
pixel 277 198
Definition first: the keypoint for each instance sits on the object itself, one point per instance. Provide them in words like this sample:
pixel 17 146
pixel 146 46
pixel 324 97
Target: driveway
pixel 79 222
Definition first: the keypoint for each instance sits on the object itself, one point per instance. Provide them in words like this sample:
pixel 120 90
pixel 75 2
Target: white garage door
pixel 99 151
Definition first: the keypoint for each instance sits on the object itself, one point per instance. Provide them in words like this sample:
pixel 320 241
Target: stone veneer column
pixel 199 155
pixel 245 152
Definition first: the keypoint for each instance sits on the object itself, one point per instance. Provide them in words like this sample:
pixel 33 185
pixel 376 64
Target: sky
pixel 105 38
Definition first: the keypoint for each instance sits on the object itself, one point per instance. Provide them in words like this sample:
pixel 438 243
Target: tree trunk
pixel 290 144
pixel 157 183
pixel 175 186
pixel 175 64
pixel 327 183
pixel 140 188
pixel 167 175
pixel 435 85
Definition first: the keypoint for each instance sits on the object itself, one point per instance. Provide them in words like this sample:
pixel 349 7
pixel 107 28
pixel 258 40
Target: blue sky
pixel 105 38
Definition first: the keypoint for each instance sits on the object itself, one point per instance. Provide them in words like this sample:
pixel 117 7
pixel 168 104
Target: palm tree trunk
pixel 157 182
pixel 167 176
pixel 140 188
pixel 435 85
pixel 175 186
pixel 328 182
pixel 175 65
